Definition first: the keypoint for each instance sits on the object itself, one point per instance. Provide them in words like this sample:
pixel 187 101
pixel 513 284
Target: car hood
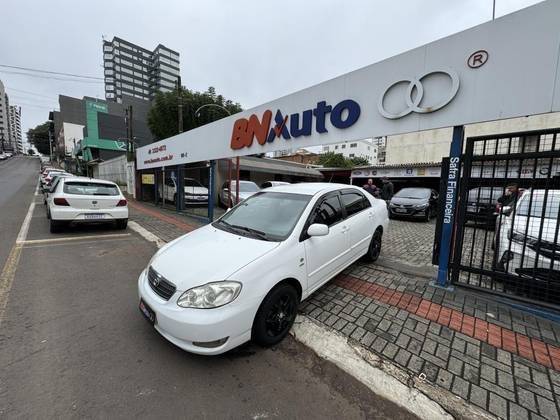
pixel 534 227
pixel 406 200
pixel 207 254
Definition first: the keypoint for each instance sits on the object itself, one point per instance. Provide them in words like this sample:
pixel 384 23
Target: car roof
pixel 309 188
pixel 83 178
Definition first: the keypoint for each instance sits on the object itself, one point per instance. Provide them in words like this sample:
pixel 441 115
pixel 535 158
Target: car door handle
pixel 370 215
pixel 345 229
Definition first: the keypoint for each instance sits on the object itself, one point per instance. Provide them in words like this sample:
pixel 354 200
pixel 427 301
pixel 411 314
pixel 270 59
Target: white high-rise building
pixel 15 128
pixel 361 148
pixel 5 143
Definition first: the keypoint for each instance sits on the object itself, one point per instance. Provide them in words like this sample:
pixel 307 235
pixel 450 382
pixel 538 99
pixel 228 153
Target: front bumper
pixel 408 212
pixel 186 326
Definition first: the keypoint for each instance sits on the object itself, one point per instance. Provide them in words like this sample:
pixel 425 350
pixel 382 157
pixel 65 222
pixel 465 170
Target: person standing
pixel 387 189
pixel 371 188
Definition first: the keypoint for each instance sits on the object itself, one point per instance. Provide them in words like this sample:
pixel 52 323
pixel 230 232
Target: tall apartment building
pixel 5 143
pixel 132 70
pixel 361 148
pixel 14 123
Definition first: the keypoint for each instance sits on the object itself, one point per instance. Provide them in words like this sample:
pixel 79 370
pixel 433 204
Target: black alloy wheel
pixel 276 315
pixel 374 247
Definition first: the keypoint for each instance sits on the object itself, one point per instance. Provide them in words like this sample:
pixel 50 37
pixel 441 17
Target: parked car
pixel 195 192
pixel 414 202
pixel 52 184
pixel 269 184
pixel 482 206
pixel 3 156
pixel 528 244
pixel 86 200
pixel 227 196
pixel 48 174
pixel 248 271
pixel 49 179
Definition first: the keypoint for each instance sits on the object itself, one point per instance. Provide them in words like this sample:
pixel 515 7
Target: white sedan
pixel 243 276
pixel 85 200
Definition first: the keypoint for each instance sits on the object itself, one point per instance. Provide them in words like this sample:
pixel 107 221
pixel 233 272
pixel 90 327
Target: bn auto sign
pixel 441 84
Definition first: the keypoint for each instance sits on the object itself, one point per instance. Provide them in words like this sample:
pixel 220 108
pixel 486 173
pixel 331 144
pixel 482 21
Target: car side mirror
pixel 228 209
pixel 318 229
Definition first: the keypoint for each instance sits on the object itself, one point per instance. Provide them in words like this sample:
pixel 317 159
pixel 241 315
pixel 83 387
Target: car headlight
pixel 211 295
pixel 421 206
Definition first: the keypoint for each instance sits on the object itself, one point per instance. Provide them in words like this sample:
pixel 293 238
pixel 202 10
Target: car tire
pixel 374 248
pixel 275 316
pixel 55 226
pixel 121 223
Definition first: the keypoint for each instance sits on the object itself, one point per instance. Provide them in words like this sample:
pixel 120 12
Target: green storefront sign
pixel 92 139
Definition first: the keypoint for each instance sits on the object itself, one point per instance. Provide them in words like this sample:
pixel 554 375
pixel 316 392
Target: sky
pixel 251 51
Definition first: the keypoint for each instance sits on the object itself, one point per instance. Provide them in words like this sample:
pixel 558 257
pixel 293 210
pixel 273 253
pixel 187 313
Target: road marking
pixel 51 245
pixel 146 234
pixel 72 238
pixel 9 271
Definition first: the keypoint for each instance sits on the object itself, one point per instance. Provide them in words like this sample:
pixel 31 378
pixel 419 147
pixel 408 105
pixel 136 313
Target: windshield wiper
pixel 259 233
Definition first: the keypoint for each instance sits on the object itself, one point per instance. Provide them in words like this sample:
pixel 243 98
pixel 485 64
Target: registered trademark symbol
pixel 477 59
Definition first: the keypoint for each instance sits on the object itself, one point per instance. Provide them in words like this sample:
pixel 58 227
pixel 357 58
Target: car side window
pixel 53 187
pixel 354 202
pixel 266 185
pixel 328 212
pixel 169 182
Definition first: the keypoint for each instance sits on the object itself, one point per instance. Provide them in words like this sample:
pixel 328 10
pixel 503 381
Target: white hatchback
pixel 243 276
pixel 85 200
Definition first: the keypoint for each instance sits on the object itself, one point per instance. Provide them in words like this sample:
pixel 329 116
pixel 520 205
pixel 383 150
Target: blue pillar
pixel 449 207
pixel 211 182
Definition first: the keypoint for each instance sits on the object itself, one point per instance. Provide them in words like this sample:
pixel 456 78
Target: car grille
pixel 161 286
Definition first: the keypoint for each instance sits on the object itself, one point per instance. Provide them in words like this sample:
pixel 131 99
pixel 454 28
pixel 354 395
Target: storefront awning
pixel 278 167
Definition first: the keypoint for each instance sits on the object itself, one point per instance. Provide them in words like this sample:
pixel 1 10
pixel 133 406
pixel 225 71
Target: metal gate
pixel 506 232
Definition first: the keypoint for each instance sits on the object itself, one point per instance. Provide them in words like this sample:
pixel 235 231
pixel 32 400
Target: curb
pixel 413 393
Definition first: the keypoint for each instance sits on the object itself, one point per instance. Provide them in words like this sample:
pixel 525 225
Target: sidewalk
pixel 502 360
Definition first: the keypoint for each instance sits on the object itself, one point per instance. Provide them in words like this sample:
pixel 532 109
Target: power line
pixel 29 93
pixel 51 108
pixel 49 77
pixel 51 72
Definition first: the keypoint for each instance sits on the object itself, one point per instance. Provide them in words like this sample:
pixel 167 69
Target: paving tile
pixel 497 406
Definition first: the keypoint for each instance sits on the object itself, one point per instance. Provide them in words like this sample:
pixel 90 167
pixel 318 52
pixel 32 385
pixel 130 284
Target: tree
pixel 39 137
pixel 359 161
pixel 334 160
pixel 163 115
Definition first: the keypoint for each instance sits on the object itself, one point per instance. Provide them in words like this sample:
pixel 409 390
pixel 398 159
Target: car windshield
pixel 90 188
pixel 267 215
pixel 552 205
pixel 245 187
pixel 413 193
pixel 189 182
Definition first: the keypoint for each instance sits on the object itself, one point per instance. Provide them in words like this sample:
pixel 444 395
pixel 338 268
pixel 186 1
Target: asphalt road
pixel 73 343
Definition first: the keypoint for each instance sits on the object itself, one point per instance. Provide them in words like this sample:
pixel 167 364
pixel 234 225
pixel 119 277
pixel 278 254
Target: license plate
pixel 147 312
pixel 400 210
pixel 94 216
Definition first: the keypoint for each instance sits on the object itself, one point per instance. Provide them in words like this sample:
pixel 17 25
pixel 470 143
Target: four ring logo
pixel 414 102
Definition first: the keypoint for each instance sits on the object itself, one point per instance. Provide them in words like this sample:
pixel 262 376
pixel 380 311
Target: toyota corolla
pixel 242 277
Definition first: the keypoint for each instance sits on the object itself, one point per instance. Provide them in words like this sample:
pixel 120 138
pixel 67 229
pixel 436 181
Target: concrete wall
pixel 112 170
pixel 433 145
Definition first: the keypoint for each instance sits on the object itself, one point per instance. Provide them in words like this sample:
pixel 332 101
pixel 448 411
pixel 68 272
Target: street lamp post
pixel 197 114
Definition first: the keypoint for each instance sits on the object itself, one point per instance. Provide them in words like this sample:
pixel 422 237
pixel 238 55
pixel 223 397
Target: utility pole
pixel 180 104
pixel 493 9
pixel 129 134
